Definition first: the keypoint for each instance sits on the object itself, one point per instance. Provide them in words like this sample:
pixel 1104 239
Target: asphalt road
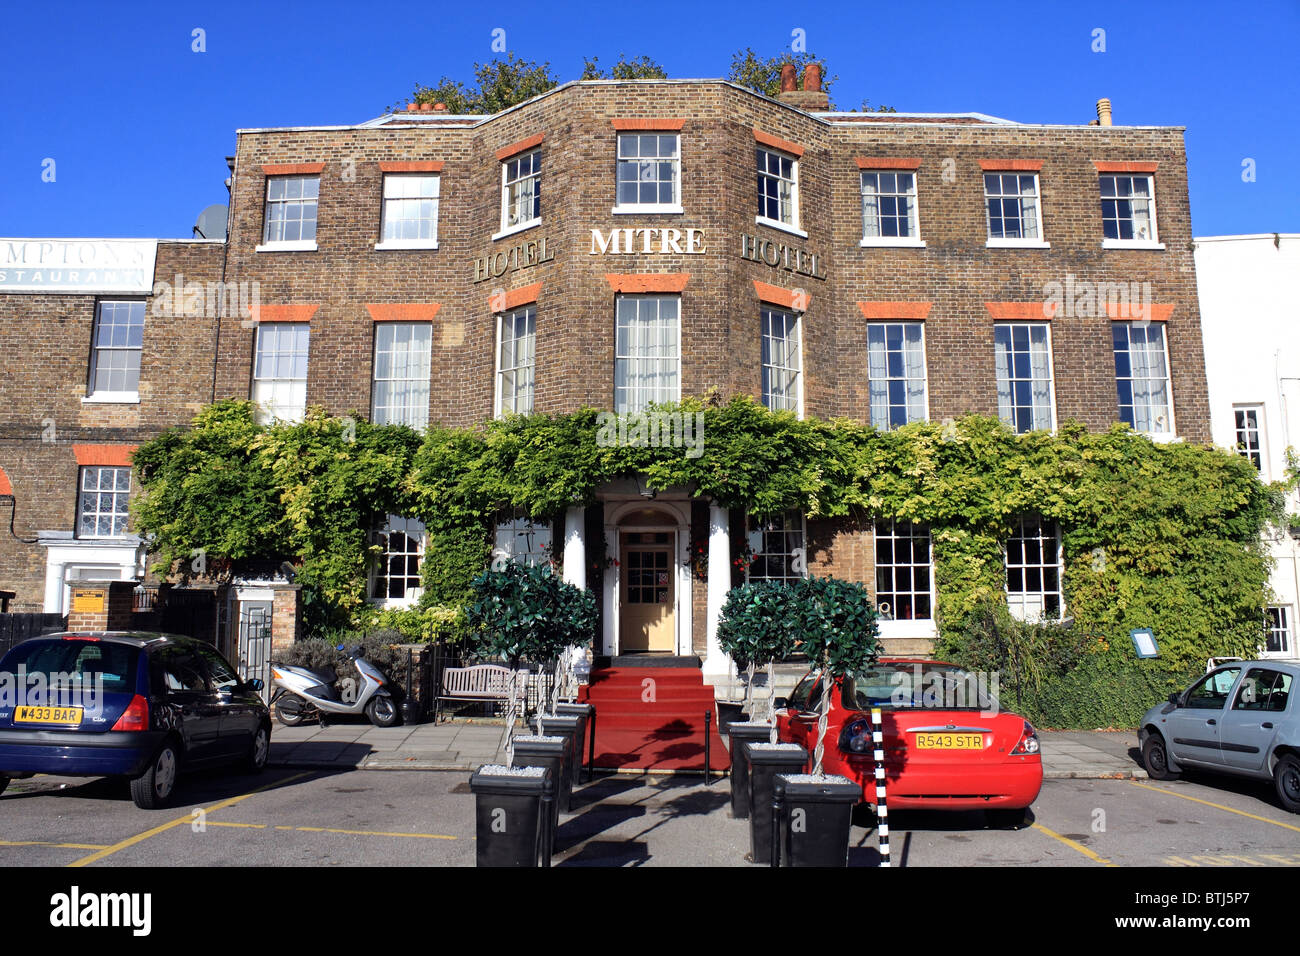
pixel 426 818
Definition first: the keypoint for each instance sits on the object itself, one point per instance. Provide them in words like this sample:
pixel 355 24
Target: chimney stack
pixel 812 98
pixel 1103 112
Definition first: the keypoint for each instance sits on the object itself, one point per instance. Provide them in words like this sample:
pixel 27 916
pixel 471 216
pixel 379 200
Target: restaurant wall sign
pixel 78 266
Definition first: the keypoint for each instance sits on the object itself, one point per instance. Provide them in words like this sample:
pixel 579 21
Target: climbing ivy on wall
pixel 1155 535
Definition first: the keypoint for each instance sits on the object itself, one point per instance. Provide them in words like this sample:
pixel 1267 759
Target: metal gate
pixel 255 643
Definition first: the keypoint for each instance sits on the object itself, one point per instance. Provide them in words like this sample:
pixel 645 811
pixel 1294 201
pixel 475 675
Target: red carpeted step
pixel 653 718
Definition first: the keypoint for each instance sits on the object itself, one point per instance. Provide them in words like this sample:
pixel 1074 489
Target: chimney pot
pixel 425 107
pixel 812 78
pixel 440 107
pixel 1103 112
pixel 787 78
pixel 411 107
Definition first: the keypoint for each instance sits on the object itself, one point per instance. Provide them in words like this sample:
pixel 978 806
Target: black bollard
pixel 708 741
pixel 548 826
pixel 778 810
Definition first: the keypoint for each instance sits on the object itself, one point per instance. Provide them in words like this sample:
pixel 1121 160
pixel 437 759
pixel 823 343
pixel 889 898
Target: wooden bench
pixel 485 682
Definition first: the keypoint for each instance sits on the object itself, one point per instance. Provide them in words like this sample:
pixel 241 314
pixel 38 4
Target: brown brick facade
pixel 346 286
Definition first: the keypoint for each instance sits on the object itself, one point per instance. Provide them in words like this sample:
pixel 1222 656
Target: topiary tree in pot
pixel 520 612
pixel 838 624
pixel 756 627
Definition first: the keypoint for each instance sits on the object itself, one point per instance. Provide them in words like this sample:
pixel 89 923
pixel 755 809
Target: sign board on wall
pixel 87 601
pixel 78 266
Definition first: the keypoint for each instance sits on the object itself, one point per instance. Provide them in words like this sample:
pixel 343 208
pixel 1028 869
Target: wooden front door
pixel 648 591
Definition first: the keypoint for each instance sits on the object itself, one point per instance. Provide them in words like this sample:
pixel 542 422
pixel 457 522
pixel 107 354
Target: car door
pixel 237 711
pixel 1194 725
pixel 186 700
pixel 1251 725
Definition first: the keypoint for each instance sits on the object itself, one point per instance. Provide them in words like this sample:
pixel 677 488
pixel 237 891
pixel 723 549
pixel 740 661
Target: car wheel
pixel 288 709
pixel 1286 777
pixel 383 712
pixel 258 751
pixel 153 788
pixel 1156 759
pixel 4 782
pixel 1007 819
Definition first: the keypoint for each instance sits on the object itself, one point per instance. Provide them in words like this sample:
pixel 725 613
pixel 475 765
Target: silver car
pixel 1241 718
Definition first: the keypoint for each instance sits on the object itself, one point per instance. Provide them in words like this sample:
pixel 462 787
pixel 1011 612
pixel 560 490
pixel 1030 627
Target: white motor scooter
pixel 301 693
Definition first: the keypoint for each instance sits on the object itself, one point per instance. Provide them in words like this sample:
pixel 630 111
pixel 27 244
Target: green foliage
pixel 836 623
pixel 764 76
pixel 640 68
pixel 416 625
pixel 524 611
pixel 757 623
pixel 1164 536
pixel 500 85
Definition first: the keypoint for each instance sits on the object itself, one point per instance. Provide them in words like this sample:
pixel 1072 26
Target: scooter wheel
pixel 383 712
pixel 288 709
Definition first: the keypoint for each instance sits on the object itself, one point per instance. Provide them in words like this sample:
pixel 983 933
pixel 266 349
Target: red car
pixel 947 744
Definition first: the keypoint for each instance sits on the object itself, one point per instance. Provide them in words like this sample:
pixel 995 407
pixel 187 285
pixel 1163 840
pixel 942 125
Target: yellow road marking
pixel 65 846
pixel 421 836
pixel 188 818
pixel 1074 845
pixel 218 823
pixel 1217 806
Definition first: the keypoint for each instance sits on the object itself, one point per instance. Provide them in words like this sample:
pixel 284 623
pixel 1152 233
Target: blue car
pixel 126 704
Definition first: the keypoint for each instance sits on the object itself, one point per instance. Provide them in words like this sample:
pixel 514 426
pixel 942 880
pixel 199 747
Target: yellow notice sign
pixel 87 601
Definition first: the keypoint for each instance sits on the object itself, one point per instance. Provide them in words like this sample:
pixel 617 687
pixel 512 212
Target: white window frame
pixel 1032 242
pixel 537 538
pixel 793 225
pixel 1285 627
pixel 793 403
pixel 124 396
pixel 1246 408
pixel 116 497
pixel 925 370
pixel 413 530
pixel 888 530
pixel 1018 602
pixel 288 245
pixel 622 208
pixel 506 183
pixel 913 239
pixel 269 382
pixel 795 529
pixel 384 200
pixel 1161 436
pixel 676 389
pixel 1152 241
pixel 1012 379
pixel 404 344
pixel 529 313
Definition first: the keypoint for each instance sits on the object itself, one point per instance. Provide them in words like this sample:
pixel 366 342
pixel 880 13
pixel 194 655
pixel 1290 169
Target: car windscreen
pixel 72 663
pixel 920 686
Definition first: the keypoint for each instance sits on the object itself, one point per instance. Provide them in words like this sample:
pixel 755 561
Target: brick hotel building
pixel 609 244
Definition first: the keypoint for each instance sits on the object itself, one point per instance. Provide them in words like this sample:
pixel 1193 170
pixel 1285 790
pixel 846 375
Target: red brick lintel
pixel 1011 165
pixel 647 282
pixel 505 152
pixel 116 456
pixel 649 123
pixel 1104 166
pixel 776 142
pixel 895 310
pixel 887 162
pixel 403 311
pixel 411 166
pixel 291 169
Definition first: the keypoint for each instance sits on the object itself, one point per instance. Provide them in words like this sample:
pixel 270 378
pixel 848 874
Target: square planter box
pixel 765 762
pixel 566 726
pixel 552 753
pixel 816 819
pixel 739 734
pixel 584 713
pixel 508 814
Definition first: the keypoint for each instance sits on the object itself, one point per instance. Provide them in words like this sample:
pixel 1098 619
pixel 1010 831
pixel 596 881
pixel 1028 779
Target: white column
pixel 716 663
pixel 575 547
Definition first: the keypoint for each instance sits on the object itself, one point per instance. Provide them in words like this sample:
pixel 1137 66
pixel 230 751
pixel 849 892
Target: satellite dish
pixel 212 223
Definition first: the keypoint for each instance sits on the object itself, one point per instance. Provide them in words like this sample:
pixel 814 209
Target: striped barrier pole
pixel 882 811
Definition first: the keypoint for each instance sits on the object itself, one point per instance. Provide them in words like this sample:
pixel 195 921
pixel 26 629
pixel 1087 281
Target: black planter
pixel 738 735
pixel 510 827
pixel 551 752
pixel 816 819
pixel 583 712
pixel 765 762
pixel 566 726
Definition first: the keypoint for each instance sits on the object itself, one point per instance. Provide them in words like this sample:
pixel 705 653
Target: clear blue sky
pixel 138 124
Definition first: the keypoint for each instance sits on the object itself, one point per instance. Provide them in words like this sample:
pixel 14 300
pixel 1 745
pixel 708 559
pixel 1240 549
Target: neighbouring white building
pixel 1249 288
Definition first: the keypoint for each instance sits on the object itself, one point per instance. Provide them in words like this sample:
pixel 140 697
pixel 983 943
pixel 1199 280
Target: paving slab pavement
pixel 466 744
